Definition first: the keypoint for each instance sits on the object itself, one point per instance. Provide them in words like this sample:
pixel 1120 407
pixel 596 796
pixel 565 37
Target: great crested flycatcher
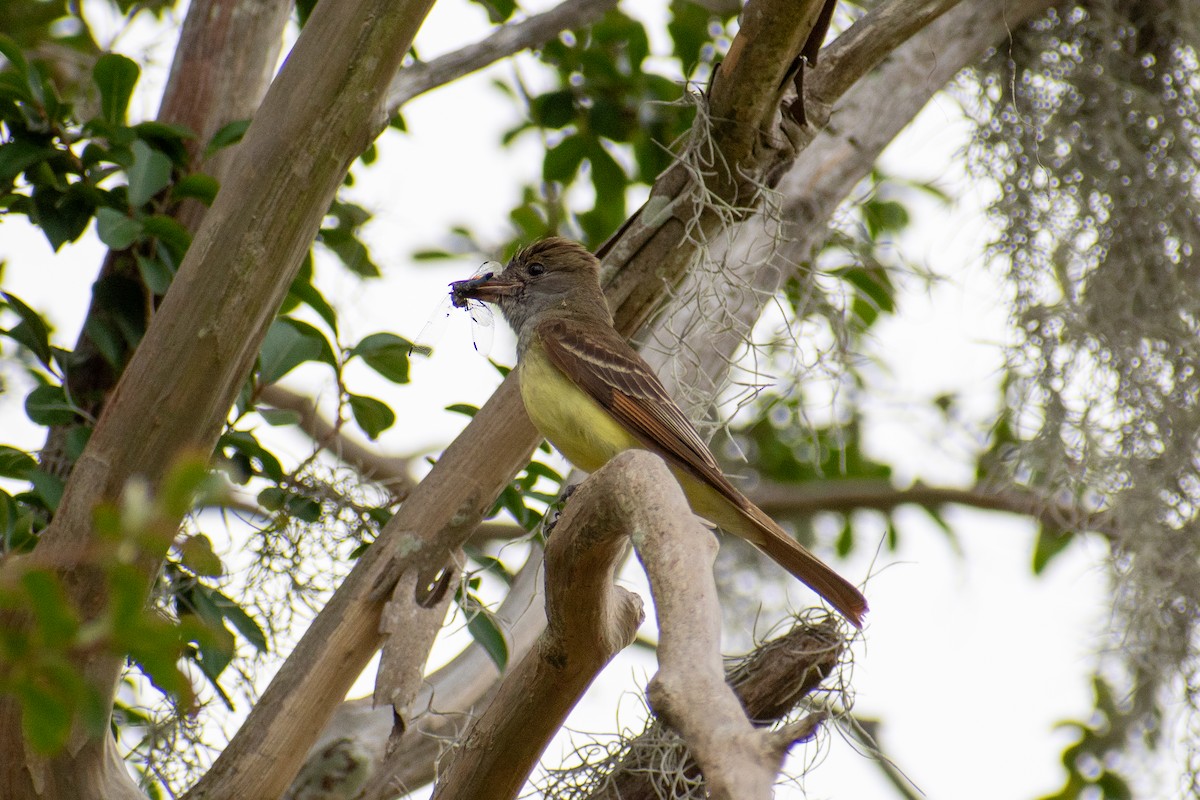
pixel 593 396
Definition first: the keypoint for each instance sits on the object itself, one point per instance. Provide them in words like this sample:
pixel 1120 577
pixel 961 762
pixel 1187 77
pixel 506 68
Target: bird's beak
pixel 488 287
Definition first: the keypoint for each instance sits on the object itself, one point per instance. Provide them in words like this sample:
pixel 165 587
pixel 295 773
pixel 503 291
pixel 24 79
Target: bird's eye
pixel 536 268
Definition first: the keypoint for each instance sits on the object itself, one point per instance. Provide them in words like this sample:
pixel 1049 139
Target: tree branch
pixel 848 496
pixel 589 620
pixel 867 42
pixel 220 71
pixel 728 301
pixel 770 683
pixel 452 695
pixel 390 472
pixel 689 692
pixel 508 40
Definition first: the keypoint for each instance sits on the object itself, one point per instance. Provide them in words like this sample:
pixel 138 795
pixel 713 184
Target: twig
pixel 508 40
pixel 846 496
pixel 390 472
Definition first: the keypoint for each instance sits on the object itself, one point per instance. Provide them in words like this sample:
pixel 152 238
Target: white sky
pixel 967 658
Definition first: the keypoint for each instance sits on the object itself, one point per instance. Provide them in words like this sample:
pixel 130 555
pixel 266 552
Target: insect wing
pixel 434 328
pixel 483 327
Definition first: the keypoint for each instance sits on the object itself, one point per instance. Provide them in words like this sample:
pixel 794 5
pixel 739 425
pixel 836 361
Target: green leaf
pixel 77 439
pixel 115 76
pixel 186 483
pixel 241 621
pixel 10 517
pixel 15 463
pixel 12 52
pixel 149 175
pixel 387 354
pixel 62 215
pixel 563 160
pixel 433 255
pixel 48 488
pixel 845 540
pixel 553 109
pixel 216 648
pixel 46 716
pixel 229 134
pixel 117 230
pixel 19 155
pixel 156 273
pixel 197 554
pixel 484 629
pixel 246 451
pixel 279 416
pixel 608 177
pixel 1050 542
pixel 373 416
pixel 884 216
pixel 47 405
pixel 52 612
pixel 498 11
pixel 197 186
pixel 32 331
pixel 688 29
pixel 303 508
pixel 272 498
pixel 303 291
pixel 466 409
pixel 285 348
pixel 169 232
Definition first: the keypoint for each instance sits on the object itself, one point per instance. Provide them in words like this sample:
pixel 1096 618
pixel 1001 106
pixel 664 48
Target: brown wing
pixel 600 362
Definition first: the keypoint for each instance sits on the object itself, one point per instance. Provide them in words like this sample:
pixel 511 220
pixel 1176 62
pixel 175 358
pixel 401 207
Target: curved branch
pixel 353 757
pixel 589 620
pixel 390 472
pixel 508 40
pixel 689 692
pixel 867 42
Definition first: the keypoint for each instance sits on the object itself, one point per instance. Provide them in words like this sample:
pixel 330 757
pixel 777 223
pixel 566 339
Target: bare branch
pixel 847 496
pixel 446 703
pixel 389 472
pixel 508 40
pixel 589 620
pixel 867 43
pixel 689 692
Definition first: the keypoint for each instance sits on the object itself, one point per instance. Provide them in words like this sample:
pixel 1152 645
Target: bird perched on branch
pixel 593 396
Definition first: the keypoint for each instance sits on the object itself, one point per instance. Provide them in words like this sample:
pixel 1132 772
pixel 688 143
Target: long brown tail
pixel 793 557
pixel 715 499
pixel 806 567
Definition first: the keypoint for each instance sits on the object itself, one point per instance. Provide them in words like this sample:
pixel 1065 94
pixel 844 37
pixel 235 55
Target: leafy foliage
pixel 607 120
pixel 64 174
pixel 40 666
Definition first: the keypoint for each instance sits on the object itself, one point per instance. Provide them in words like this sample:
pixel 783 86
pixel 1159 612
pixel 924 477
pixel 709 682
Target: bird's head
pixel 551 276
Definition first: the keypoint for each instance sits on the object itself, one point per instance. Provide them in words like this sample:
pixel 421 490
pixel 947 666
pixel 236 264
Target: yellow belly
pixel 573 422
